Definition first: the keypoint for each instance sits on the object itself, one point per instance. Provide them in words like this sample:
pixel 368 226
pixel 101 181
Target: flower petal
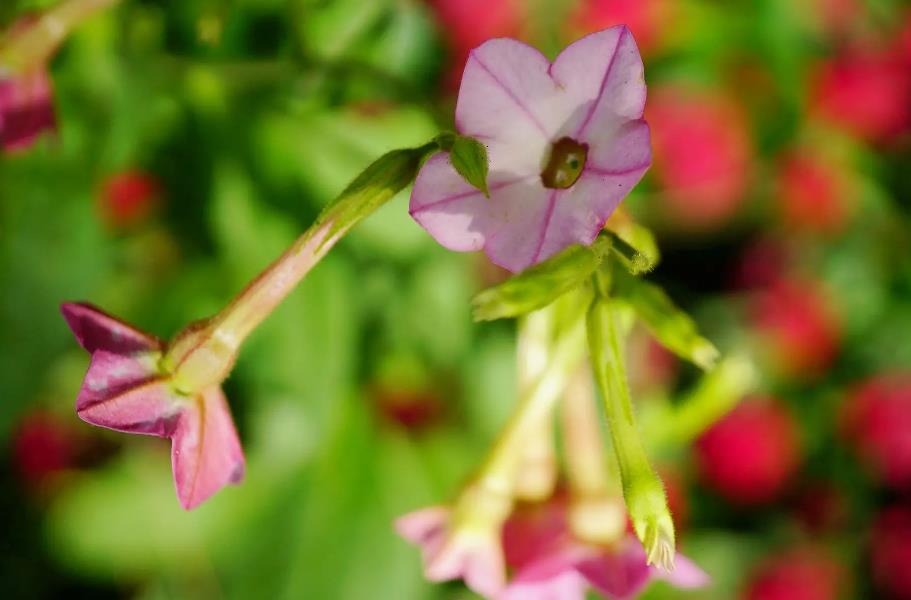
pixel 97 330
pixel 421 526
pixel 686 574
pixel 580 212
pixel 566 585
pixel 205 450
pixel 26 109
pixel 507 99
pixel 620 575
pixel 127 393
pixel 460 218
pixel 602 76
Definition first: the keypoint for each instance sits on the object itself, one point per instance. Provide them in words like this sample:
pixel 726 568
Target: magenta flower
pixel 127 389
pixel 551 564
pixel 26 109
pixel 470 553
pixel 566 142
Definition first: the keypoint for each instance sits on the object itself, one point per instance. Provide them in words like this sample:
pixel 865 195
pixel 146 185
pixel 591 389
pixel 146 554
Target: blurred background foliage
pixel 197 137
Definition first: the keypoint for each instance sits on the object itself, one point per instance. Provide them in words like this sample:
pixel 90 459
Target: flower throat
pixel 565 163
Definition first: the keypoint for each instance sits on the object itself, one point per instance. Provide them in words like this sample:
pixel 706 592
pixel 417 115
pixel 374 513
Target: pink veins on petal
pixel 519 105
pixel 126 390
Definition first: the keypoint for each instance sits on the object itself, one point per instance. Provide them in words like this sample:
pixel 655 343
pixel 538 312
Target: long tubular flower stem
pixel 642 489
pixel 537 471
pixel 535 403
pixel 204 353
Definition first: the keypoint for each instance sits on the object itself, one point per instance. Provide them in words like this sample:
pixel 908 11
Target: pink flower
pixel 866 92
pixel 702 155
pixel 550 564
pixel 814 193
pixel 452 552
pixel 750 455
pixel 468 23
pixel 876 419
pixel 128 198
pixel 26 108
pixel 891 552
pixel 566 142
pixel 800 574
pixel 797 320
pixel 649 20
pixel 126 389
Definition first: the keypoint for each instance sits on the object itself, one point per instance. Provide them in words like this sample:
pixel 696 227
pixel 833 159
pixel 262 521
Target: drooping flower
pixel 550 563
pixel 127 389
pixel 750 455
pixel 566 142
pixel 26 108
pixel 454 549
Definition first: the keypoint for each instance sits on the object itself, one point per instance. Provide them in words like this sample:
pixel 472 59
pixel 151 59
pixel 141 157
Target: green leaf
pixel 542 284
pixel 469 157
pixel 672 327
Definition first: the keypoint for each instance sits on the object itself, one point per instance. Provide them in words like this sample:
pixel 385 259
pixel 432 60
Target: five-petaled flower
pixel 127 388
pixel 566 142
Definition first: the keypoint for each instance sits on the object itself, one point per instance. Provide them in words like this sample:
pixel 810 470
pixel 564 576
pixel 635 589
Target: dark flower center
pixel 565 164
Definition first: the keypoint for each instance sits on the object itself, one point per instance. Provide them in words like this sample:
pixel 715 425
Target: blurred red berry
pixel 876 419
pixel 702 154
pixel 750 455
pixel 410 409
pixel 813 193
pixel 649 20
pixel 43 445
pixel 466 24
pixel 763 263
pixel 890 552
pixel 801 574
pixel 866 92
pixel 799 325
pixel 128 198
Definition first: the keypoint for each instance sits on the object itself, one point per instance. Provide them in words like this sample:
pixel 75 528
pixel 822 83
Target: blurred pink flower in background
pixel 703 154
pixel 865 92
pixel 797 322
pixel 876 420
pixel 43 445
pixel 813 192
pixel 649 20
pixel 798 574
pixel 26 108
pixel 550 564
pixel 750 455
pixel 890 551
pixel 128 198
pixel 466 24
